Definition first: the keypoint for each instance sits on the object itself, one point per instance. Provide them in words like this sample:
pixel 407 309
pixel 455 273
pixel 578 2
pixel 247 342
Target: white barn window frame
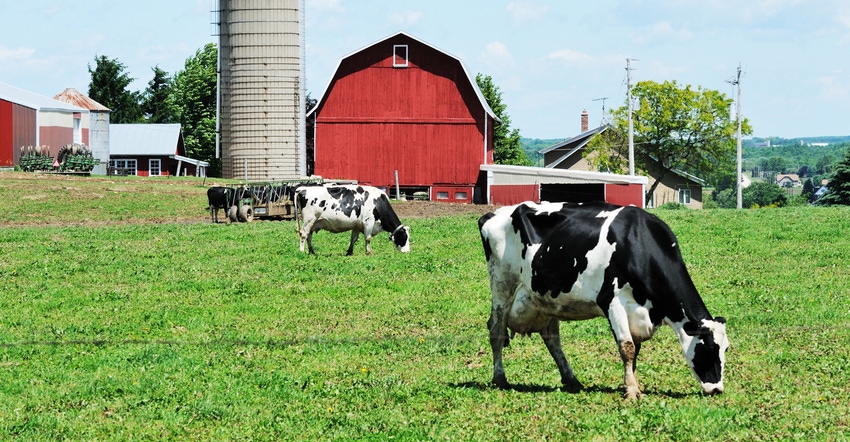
pixel 400 56
pixel 684 196
pixel 154 167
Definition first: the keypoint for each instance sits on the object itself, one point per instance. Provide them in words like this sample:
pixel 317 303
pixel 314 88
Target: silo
pixel 261 89
pixel 98 125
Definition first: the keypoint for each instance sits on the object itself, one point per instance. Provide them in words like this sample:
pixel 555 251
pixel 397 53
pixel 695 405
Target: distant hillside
pixel 532 147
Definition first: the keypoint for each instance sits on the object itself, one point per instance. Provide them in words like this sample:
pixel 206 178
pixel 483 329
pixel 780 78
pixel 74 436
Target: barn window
pixel 684 196
pixel 442 195
pixel 460 195
pixel 123 167
pixel 399 56
pixel 154 167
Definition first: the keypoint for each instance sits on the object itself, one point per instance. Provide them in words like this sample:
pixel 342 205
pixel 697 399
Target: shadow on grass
pixel 537 388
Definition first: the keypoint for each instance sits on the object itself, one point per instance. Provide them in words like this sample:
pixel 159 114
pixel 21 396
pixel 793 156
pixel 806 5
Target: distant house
pixel 788 180
pixel 675 186
pixel 29 119
pixel 150 150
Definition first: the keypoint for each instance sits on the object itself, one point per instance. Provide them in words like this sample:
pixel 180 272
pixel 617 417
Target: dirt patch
pixel 430 209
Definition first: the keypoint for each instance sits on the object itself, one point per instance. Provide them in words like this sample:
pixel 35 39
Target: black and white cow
pixel 555 262
pixel 361 209
pixel 219 198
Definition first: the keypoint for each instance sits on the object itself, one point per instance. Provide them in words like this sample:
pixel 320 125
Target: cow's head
pixel 706 352
pixel 401 238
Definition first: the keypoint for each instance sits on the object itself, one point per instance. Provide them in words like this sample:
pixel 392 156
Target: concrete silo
pixel 261 89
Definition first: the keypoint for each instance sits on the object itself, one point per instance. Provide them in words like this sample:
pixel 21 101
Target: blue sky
pixel 551 59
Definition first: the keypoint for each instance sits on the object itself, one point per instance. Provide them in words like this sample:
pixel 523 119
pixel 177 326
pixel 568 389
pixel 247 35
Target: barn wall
pixel 7 156
pixel 514 194
pixel 55 137
pixel 423 120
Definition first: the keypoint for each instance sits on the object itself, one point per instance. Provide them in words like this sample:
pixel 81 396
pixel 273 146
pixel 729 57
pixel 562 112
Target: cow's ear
pixel 692 329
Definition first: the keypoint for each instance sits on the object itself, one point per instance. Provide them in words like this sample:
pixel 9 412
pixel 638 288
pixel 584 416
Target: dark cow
pixel 361 209
pixel 557 262
pixel 229 199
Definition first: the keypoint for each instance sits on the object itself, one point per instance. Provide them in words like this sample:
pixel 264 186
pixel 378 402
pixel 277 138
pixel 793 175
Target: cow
pixel 229 199
pixel 553 262
pixel 361 209
pixel 219 198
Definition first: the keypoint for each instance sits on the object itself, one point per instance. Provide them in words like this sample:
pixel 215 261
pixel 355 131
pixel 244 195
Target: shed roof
pixel 145 139
pixel 73 96
pixel 471 80
pixel 34 101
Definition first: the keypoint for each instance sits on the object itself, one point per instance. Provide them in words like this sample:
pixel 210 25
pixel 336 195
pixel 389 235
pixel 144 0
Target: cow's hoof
pixel 632 393
pixel 572 385
pixel 501 382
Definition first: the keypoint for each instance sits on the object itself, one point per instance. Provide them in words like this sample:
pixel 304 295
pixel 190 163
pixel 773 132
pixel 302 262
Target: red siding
pixel 424 120
pixel 624 194
pixel 7 156
pixel 507 195
pixel 55 137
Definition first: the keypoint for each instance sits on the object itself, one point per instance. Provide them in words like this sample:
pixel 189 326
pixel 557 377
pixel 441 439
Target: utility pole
pixel 737 82
pixel 631 128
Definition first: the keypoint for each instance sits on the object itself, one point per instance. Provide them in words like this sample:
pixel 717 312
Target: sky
pixel 550 59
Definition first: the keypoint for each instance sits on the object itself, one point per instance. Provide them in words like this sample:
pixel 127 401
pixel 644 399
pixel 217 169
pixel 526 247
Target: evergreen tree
pixel 808 190
pixel 838 189
pixel 108 87
pixel 155 100
pixel 507 144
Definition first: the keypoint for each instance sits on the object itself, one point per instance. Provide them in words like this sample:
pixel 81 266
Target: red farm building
pixel 403 106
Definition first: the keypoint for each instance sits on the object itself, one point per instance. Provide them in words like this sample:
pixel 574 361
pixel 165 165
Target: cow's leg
pixel 306 234
pixel 354 235
pixel 213 214
pixel 498 327
pixel 552 338
pixel 619 320
pixel 368 241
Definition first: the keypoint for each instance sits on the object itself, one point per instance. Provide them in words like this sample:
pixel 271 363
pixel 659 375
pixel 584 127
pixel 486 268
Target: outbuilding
pixel 28 119
pixel 150 150
pixel 401 107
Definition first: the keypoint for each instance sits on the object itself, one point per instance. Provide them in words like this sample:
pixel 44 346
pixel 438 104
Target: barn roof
pixel 471 80
pixel 35 101
pixel 145 139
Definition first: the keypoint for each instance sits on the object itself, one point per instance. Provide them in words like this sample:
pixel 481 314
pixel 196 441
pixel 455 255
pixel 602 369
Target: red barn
pixel 403 105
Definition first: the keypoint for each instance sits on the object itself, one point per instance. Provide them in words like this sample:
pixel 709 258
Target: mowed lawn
pixel 126 315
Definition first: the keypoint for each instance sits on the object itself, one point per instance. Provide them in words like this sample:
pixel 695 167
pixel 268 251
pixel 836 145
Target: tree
pixel 155 99
pixel 310 128
pixel 838 188
pixel 808 190
pixel 193 99
pixel 675 128
pixel 108 87
pixel 763 194
pixel 507 145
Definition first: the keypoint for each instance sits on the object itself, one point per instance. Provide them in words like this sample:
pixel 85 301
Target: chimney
pixel 584 120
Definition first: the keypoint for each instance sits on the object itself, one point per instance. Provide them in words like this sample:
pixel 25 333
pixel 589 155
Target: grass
pixel 191 331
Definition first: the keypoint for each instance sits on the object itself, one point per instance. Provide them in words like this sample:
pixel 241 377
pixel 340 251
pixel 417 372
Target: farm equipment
pixel 76 158
pixel 265 200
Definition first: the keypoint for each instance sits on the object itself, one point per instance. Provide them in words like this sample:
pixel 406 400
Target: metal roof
pixel 73 96
pixel 34 101
pixel 471 80
pixel 144 139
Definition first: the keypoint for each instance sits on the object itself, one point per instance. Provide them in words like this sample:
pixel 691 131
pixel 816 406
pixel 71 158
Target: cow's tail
pixel 297 213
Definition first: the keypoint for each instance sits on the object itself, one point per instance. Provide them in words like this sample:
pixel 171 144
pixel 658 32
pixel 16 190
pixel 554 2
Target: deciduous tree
pixel 677 127
pixel 194 100
pixel 507 145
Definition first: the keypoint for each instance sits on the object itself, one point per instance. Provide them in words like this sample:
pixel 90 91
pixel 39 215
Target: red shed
pixel 403 105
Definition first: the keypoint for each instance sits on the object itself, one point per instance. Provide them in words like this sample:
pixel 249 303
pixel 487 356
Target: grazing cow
pixel 361 209
pixel 557 262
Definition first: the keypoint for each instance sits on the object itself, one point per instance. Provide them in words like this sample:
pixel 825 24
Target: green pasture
pixel 178 329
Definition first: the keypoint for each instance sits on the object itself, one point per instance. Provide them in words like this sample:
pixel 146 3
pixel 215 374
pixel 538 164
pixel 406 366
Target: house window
pixel 684 196
pixel 78 133
pixel 651 203
pixel 399 56
pixel 123 167
pixel 154 167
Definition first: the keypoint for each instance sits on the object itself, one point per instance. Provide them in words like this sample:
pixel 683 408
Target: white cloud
pixel 526 12
pixel 17 54
pixel 497 55
pixel 833 89
pixel 570 56
pixel 663 30
pixel 406 18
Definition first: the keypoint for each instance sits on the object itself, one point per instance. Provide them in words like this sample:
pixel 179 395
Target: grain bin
pixel 261 89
